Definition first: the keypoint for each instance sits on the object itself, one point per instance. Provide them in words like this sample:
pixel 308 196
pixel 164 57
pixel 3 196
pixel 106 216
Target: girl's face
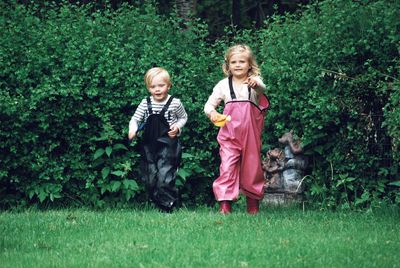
pixel 239 65
pixel 159 88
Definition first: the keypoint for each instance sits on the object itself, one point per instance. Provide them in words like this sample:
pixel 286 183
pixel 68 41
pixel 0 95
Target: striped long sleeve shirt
pixel 175 114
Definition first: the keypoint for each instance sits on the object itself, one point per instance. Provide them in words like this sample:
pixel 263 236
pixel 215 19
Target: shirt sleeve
pixel 181 115
pixel 216 97
pixel 261 86
pixel 138 116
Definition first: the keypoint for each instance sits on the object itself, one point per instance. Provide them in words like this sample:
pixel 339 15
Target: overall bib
pixel 240 149
pixel 161 157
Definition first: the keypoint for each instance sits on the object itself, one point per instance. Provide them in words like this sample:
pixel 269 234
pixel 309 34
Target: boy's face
pixel 159 88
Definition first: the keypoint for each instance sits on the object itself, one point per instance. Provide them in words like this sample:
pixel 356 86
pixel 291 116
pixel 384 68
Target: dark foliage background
pixel 71 77
pixel 218 15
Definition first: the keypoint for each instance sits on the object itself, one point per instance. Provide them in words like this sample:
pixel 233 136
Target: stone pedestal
pixel 284 172
pixel 282 198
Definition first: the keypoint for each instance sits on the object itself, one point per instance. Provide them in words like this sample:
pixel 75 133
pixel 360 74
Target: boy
pixel 164 117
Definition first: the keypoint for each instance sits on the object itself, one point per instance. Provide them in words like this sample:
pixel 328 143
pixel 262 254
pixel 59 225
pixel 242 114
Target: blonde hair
pixel 254 69
pixel 153 72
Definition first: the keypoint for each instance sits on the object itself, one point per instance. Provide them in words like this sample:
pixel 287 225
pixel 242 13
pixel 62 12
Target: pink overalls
pixel 240 149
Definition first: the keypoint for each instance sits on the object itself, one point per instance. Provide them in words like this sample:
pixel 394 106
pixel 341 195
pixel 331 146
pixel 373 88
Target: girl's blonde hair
pixel 254 69
pixel 153 72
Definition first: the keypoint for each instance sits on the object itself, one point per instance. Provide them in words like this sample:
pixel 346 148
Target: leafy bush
pixel 333 71
pixel 71 78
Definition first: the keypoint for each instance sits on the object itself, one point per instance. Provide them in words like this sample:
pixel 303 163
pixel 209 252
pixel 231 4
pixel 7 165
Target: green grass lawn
pixel 277 237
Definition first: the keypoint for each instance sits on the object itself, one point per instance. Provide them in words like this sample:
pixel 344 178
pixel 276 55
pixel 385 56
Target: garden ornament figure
pixel 273 166
pixel 284 169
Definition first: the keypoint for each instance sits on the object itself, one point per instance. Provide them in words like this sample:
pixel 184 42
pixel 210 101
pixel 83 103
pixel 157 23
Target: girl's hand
pixel 251 82
pixel 214 116
pixel 173 132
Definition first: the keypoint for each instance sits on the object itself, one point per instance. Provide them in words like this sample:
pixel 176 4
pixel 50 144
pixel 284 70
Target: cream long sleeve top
pixel 221 92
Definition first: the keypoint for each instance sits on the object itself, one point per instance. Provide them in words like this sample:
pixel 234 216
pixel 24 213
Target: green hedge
pixel 333 73
pixel 71 78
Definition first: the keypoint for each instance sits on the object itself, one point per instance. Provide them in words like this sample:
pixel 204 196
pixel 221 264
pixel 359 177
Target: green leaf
pixel 98 153
pixel 319 149
pixel 395 183
pixel 119 146
pixel 118 173
pixel 115 185
pixel 109 150
pixel 130 184
pixel 103 137
pixel 105 172
pixel 103 189
pixel 42 195
pixel 183 173
pixel 187 155
pixel 31 194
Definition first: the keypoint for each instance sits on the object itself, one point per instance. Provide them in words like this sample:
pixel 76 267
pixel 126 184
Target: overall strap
pixel 233 95
pixel 165 108
pixel 149 107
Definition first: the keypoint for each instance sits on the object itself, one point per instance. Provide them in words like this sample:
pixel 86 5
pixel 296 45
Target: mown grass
pixel 277 237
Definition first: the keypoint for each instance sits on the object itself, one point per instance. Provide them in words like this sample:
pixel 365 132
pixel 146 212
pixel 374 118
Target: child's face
pixel 159 88
pixel 239 65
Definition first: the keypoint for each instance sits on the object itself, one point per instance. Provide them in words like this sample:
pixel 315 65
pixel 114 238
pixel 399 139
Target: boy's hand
pixel 131 135
pixel 173 132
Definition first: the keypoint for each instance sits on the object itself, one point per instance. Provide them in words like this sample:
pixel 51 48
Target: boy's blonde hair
pixel 153 72
pixel 254 69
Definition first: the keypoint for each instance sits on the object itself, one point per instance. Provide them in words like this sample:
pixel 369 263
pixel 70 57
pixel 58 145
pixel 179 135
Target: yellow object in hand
pixel 221 120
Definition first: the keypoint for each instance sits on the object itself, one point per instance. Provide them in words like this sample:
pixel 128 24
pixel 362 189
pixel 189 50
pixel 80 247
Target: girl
pixel 240 139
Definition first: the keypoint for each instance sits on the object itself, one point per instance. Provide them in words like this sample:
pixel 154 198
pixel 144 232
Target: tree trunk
pixel 236 12
pixel 185 8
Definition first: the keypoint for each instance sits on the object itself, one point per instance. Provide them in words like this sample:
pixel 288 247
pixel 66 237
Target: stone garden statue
pixel 284 169
pixel 273 167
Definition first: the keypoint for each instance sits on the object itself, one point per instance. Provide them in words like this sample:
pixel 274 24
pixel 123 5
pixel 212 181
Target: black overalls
pixel 161 157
